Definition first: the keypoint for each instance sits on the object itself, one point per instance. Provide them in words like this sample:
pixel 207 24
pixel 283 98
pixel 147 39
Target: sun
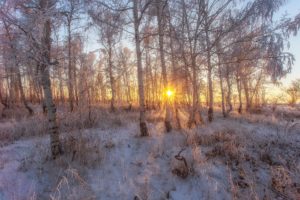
pixel 169 93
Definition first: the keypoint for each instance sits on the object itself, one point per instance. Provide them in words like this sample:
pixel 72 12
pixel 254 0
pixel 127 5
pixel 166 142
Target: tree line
pixel 207 52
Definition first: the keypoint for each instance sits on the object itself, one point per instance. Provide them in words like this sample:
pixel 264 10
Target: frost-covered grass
pixel 241 157
pixel 15 128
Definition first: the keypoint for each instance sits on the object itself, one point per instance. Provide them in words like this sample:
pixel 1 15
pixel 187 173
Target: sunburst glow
pixel 170 93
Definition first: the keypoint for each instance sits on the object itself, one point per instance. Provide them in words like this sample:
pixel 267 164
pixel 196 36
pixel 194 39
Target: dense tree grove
pixel 153 54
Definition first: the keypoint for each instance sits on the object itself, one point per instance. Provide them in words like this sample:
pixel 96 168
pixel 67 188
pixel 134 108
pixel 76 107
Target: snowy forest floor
pixel 249 156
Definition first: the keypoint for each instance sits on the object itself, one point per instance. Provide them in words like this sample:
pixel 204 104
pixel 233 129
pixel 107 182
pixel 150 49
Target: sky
pixel 292 8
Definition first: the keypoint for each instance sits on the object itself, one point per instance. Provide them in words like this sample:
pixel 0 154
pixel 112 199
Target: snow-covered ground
pixel 241 157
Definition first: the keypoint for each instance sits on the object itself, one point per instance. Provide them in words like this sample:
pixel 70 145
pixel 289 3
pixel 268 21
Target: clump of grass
pixel 280 178
pixel 82 149
pixel 71 185
pixel 230 151
pixel 5 135
pixel 220 136
pixel 225 145
pixel 15 129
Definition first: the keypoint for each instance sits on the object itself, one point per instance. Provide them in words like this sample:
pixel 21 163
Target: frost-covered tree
pixel 33 18
pixel 294 92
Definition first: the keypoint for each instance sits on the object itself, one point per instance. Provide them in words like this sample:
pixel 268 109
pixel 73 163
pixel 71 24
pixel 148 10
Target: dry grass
pixel 36 125
pixel 16 129
pixel 281 179
pixel 84 150
pixel 83 120
pixel 17 112
pixel 220 136
pixel 63 179
pixel 282 183
pixel 70 185
pixel 228 150
pixel 225 147
pixel 222 144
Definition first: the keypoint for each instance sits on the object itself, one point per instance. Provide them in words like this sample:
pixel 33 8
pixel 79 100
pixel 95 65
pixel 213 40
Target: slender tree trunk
pixel 37 84
pixel 126 81
pixel 61 91
pixel 228 98
pixel 101 87
pixel 195 115
pixel 247 95
pixel 153 87
pixel 70 69
pixel 9 82
pixel 174 75
pixel 255 92
pixel 2 101
pixel 222 91
pixel 15 87
pixel 210 95
pixel 160 22
pixel 209 77
pixel 76 91
pixel 51 109
pixel 239 89
pixel 148 78
pixel 143 125
pixel 23 98
pixel 111 78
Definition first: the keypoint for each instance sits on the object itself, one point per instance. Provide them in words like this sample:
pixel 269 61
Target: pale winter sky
pixel 291 9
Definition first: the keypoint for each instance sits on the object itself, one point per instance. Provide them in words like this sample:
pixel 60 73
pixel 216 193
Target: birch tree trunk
pixel 126 78
pixel 50 106
pixel 111 78
pixel 239 89
pixel 222 91
pixel 70 69
pixel 209 76
pixel 143 125
pixel 174 74
pixel 247 95
pixel 148 77
pixel 195 115
pixel 228 97
pixel 160 24
pixel 61 91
